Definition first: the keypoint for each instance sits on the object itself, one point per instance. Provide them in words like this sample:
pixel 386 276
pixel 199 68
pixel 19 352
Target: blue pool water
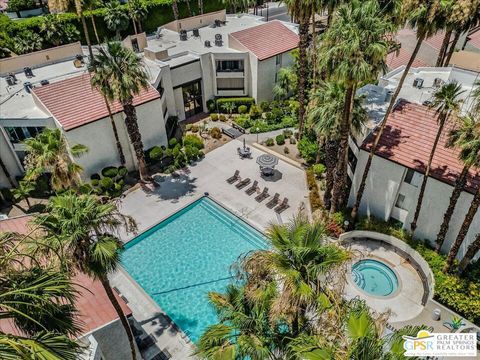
pixel 374 277
pixel 181 259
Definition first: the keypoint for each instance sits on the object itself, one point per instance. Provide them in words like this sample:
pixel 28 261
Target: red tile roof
pixel 267 40
pixel 474 39
pixel 436 40
pixel 94 307
pixel 408 139
pixel 73 101
pixel 395 60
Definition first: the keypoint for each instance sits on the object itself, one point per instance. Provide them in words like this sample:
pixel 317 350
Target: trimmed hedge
pixel 245 101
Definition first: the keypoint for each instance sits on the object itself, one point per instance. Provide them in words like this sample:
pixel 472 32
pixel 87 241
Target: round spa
pixel 374 277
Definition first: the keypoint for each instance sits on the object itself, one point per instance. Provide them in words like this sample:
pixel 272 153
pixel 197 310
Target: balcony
pixel 236 73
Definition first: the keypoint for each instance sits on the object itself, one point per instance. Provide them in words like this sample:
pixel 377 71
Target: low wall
pixel 418 262
pixel 195 22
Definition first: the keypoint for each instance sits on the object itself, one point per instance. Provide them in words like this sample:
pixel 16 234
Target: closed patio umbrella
pixel 267 160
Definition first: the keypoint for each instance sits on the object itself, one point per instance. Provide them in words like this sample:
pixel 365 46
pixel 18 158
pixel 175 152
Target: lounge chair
pixel 243 183
pixel 274 201
pixel 262 196
pixel 284 205
pixel 234 178
pixel 252 188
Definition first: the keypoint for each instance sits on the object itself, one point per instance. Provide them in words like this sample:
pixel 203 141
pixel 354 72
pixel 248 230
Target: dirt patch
pixel 292 152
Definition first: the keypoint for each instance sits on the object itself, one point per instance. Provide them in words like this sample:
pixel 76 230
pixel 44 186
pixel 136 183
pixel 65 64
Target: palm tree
pixel 119 74
pixel 424 17
pixel 325 116
pixel 301 12
pixel 93 4
pixel 353 51
pixel 286 85
pixel 462 233
pixel 81 229
pixel 49 152
pixel 39 302
pixel 115 18
pixel 446 101
pixel 300 261
pixel 138 12
pixel 23 191
pixel 472 250
pixel 466 139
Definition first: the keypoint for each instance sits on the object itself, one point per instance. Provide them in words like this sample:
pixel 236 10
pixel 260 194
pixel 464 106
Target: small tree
pixel 229 107
pixel 23 191
pixel 116 18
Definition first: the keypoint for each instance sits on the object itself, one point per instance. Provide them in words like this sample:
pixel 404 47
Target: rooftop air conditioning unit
pixel 218 40
pixel 27 85
pixel 28 72
pixel 207 43
pixel 418 83
pixel 183 35
pixel 10 80
pixel 438 82
pixel 196 32
pixel 218 23
pixel 388 95
pixel 44 82
pixel 12 75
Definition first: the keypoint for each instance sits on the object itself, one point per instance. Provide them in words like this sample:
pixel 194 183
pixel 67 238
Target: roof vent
pixel 28 72
pixel 418 83
pixel 438 82
pixel 27 85
pixel 44 82
pixel 218 23
pixel 207 43
pixel 196 33
pixel 183 35
pixel 10 80
pixel 12 75
pixel 218 40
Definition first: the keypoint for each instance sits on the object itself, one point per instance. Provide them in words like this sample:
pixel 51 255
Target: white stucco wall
pixel 186 73
pixel 98 137
pixel 385 182
pixel 265 80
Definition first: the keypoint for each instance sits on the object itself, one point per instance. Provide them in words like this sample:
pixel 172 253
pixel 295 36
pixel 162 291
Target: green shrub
pixel 201 154
pixel 214 117
pixel 269 142
pixel 195 128
pixel 191 152
pixel 19 5
pixel 222 118
pixel 243 121
pixel 188 127
pixel 286 150
pixel 110 171
pixel 248 102
pixel 255 112
pixel 211 105
pixel 172 142
pixel 193 140
pixel 287 133
pixel 264 106
pixel 156 153
pixel 215 133
pixel 314 196
pixel 242 109
pixel 85 188
pixel 308 148
pixel 122 171
pixel 106 183
pixel 280 139
pixel 293 141
pixel 95 177
pixel 95 182
pixel 318 169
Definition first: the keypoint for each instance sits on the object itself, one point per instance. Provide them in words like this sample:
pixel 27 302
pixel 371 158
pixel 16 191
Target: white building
pixel 189 62
pixel 397 169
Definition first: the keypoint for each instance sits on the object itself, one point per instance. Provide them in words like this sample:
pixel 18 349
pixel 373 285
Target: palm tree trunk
pixel 78 7
pixel 134 26
pixel 121 155
pixel 200 6
pixel 175 9
pixel 135 137
pixel 457 191
pixel 314 50
pixel 453 44
pixel 331 147
pixel 463 231
pixel 95 28
pixel 340 178
pixel 121 315
pixel 413 224
pixel 302 64
pixel 472 250
pixel 139 26
pixel 443 48
pixel 7 173
pixel 189 9
pixel 330 14
pixel 363 183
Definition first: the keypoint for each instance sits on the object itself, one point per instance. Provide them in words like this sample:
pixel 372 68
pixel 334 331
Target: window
pixel 412 177
pixel 400 202
pixel 229 65
pixel 230 84
pixel 278 59
pixel 19 134
pixel 276 77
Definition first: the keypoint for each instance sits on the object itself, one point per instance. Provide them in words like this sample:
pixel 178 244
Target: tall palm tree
pixel 301 12
pixel 353 51
pixel 472 250
pixel 462 233
pixel 446 100
pixel 422 15
pixel 119 74
pixel 82 230
pixel 49 152
pixel 115 18
pixel 137 11
pixel 39 302
pixel 325 116
pixel 466 139
pixel 300 261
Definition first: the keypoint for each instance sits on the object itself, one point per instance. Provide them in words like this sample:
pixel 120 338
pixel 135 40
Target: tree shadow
pixel 172 187
pixel 390 139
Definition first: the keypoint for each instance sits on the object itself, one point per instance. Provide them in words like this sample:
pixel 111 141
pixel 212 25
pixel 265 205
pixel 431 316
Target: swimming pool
pixel 374 277
pixel 180 260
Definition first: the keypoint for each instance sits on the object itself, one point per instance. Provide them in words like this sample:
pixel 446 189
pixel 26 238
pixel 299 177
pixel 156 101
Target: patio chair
pixel 252 188
pixel 274 201
pixel 283 206
pixel 243 183
pixel 263 195
pixel 234 178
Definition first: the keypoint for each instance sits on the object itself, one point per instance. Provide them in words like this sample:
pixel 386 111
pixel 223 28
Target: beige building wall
pixel 37 58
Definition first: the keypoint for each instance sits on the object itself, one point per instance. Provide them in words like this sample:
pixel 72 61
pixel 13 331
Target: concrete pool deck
pixel 208 175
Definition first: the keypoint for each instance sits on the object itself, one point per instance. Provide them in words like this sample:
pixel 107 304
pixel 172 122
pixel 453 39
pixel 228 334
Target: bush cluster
pixel 237 102
pixel 216 133
pixel 314 196
pixel 308 148
pixel 269 142
pixel 319 170
pixel 111 183
pixel 280 139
